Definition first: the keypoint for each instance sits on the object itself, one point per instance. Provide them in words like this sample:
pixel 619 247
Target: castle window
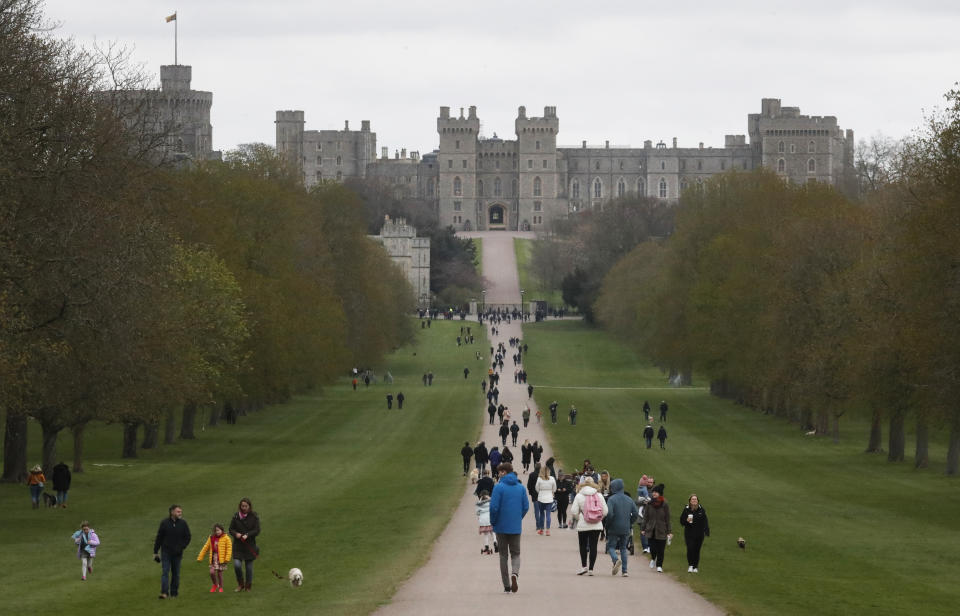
pixel 621 165
pixel 457 144
pixel 683 164
pixel 496 187
pixel 464 161
pixel 457 187
pixel 781 148
pixel 793 148
pixel 538 206
pixel 450 164
pixel 319 147
pixel 496 164
pixel 457 206
pixel 663 165
pixel 597 188
pixel 529 163
pixel 339 160
pixel 338 146
pixel 538 145
pixel 781 165
pixel 537 187
pixel 513 187
pixel 319 161
pixel 723 165
pixel 641 189
pixel 596 165
pixel 811 147
pixel 430 188
pixel 621 188
pixel 319 176
pixel 663 188
pixel 811 166
pixel 575 189
pixel 699 165
pixel 683 185
pixel 479 188
pixel 544 163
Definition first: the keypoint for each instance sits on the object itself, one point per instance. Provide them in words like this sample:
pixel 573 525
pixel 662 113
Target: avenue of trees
pixel 144 294
pixel 799 302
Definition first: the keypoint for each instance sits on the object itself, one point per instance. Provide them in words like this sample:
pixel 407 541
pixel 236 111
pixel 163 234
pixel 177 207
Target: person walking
pixel 573 415
pixel 480 456
pixel 87 541
pixel 172 539
pixel 662 437
pixel 483 519
pixel 621 515
pixel 220 548
pixel 646 410
pixel 508 506
pixel 35 481
pixel 529 391
pixel 466 373
pixel 466 453
pixel 491 410
pixel 536 451
pixel 693 519
pixel 525 455
pixel 564 490
pixel 546 488
pixel 389 401
pixel 494 458
pixel 588 510
pixel 485 483
pixel 245 528
pixel 663 410
pixel 504 432
pixel 400 400
pixel 514 433
pixel 61 483
pixel 553 412
pixel 656 527
pixel 648 436
pixel 526 415
pixel 506 456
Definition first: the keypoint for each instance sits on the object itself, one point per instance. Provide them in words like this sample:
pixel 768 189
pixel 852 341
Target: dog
pixel 742 543
pixel 49 499
pixel 474 475
pixel 296 577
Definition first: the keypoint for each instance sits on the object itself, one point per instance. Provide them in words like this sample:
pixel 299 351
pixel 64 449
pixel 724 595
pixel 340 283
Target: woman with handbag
pixel 546 487
pixel 244 527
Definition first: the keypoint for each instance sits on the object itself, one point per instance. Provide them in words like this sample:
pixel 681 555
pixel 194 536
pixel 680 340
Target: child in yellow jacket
pixel 221 553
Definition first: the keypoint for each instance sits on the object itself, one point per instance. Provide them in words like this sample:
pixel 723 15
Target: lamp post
pixel 521 303
pixel 483 307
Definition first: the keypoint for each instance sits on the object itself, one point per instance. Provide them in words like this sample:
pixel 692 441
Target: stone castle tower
pixel 325 154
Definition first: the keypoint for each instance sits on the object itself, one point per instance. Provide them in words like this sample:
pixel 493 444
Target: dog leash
pixel 256 555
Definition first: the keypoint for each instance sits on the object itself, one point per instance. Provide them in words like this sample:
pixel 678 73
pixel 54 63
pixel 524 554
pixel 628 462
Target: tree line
pixel 140 292
pixel 801 303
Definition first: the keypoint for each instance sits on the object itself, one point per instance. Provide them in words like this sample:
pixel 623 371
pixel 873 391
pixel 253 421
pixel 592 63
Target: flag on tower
pixel 171 18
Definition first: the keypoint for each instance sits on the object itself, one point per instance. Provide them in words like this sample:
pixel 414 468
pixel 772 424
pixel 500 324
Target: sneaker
pixel 507 590
pixel 238 588
pixel 695 570
pixel 646 550
pixel 513 583
pixel 624 574
pixel 162 596
pixel 496 548
pixel 547 532
pixel 616 567
pixel 690 569
pixel 539 532
pixel 590 573
pixel 582 571
pixel 83 578
pixel 213 588
pixel 219 588
pixel 653 564
pixel 659 569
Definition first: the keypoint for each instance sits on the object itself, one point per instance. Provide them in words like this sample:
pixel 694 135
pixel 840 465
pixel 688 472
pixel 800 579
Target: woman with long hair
pixel 244 527
pixel 546 487
pixel 693 519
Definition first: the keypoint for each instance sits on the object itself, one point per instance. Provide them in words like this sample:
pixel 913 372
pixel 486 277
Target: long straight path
pixel 457 579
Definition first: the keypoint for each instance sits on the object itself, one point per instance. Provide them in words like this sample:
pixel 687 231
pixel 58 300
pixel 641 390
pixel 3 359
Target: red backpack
pixel 592 508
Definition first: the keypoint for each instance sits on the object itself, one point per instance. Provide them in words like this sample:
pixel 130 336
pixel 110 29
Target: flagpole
pixel 175 25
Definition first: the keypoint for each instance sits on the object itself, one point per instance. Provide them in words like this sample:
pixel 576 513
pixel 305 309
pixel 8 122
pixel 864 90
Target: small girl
pixel 483 517
pixel 539 415
pixel 221 552
pixel 87 541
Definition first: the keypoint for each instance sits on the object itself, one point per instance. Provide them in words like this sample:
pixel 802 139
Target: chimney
pixel 584 145
pixel 403 153
pixel 473 112
pixel 365 126
pixel 674 143
pixel 607 144
pixel 701 145
pixel 384 152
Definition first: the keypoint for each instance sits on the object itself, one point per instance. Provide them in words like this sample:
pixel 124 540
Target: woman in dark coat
pixel 525 455
pixel 61 483
pixel 537 451
pixel 244 528
pixel 695 528
pixel 532 482
pixel 504 433
pixel 506 456
pixel 564 491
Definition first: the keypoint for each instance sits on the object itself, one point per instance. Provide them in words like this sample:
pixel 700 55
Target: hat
pixel 36 469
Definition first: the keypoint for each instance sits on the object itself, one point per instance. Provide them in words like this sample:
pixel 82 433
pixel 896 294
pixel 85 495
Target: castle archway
pixel 497 217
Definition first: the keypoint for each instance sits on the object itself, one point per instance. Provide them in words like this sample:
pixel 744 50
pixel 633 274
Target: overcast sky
pixel 622 71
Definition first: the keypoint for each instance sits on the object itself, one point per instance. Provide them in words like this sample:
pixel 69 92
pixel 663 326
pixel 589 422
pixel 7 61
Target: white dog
pixel 474 475
pixel 296 577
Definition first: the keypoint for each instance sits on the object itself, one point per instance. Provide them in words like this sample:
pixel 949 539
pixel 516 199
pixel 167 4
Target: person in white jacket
pixel 588 532
pixel 546 487
pixel 483 518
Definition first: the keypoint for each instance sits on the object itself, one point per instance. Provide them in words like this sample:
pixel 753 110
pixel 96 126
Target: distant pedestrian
pixel 504 433
pixel 491 410
pixel 430 378
pixel 424 379
pixel 525 455
pixel 480 456
pixel 61 483
pixel 366 380
pixel 529 391
pixel 466 453
pixel 526 415
pixel 485 483
pixel 564 490
pixel 662 437
pixel 514 432
pixel 648 435
pixel 172 539
pixel 508 506
pixel 35 481
pixel 400 399
pixel 695 528
pixel 354 383
pixel 495 458
pixel 536 450
pixel 553 412
pixel 539 415
pixel 389 401
pixel 87 541
pixel 546 488
pixel 663 410
pixel 646 410
pixel 466 373
pixel 506 455
pixel 573 415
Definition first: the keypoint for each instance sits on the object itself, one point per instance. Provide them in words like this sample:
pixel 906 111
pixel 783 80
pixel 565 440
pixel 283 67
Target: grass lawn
pixel 528 282
pixel 336 478
pixel 829 529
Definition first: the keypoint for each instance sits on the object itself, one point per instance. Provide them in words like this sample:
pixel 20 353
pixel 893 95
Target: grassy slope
pixel 830 530
pixel 331 476
pixel 534 290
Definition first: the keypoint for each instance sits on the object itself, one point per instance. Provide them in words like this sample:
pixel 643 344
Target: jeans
pixel 618 543
pixel 542 513
pixel 170 573
pixel 649 442
pixel 238 567
pixel 35 491
pixel 509 547
pixel 62 497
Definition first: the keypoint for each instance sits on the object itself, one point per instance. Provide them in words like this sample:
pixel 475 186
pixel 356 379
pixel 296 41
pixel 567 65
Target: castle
pixel 410 253
pixel 478 183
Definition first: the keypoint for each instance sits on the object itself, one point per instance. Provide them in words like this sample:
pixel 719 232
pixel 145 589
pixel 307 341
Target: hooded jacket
pixel 577 507
pixel 484 483
pixel 483 511
pixel 508 505
pixel 495 458
pixel 88 541
pixel 622 511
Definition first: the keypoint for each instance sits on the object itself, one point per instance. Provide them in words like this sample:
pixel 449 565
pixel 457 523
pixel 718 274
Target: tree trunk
pixel 50 432
pixel 823 421
pixel 151 435
pixel 189 418
pixel 130 439
pixel 953 448
pixel 897 439
pixel 922 457
pixel 77 431
pixel 15 448
pixel 170 427
pixel 836 428
pixel 874 445
pixel 214 414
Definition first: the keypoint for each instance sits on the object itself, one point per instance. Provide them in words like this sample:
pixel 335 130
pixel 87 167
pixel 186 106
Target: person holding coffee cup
pixel 693 518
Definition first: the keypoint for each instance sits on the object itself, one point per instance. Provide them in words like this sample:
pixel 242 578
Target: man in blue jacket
pixel 622 512
pixel 508 505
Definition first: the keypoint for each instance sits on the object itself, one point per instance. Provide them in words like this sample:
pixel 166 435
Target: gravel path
pixel 457 579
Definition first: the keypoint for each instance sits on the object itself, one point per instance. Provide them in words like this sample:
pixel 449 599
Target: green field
pixel 332 477
pixel 829 529
pixel 531 285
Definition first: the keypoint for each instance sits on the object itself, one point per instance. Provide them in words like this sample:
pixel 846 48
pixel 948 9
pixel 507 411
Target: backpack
pixel 592 508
